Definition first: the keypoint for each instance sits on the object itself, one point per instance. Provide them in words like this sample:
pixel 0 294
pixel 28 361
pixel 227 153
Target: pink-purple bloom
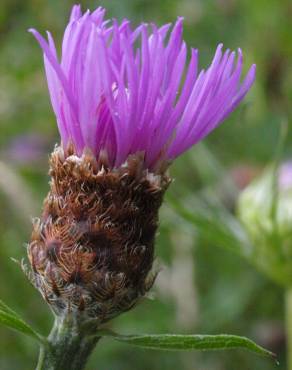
pixel 285 176
pixel 126 90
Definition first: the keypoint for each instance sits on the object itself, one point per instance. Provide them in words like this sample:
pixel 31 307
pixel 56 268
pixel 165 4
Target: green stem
pixel 68 347
pixel 288 309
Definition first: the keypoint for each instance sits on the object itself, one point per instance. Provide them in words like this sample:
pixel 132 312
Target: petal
pixel 55 65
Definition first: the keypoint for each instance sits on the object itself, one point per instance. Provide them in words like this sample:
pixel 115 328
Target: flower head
pixel 123 90
pixel 126 103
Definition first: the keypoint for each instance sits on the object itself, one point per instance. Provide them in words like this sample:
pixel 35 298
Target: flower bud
pixel 265 208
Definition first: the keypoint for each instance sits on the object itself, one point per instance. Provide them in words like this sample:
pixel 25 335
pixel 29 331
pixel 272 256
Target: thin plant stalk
pixel 68 347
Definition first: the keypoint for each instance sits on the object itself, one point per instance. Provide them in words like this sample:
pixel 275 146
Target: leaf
pixel 190 342
pixel 5 308
pixel 10 319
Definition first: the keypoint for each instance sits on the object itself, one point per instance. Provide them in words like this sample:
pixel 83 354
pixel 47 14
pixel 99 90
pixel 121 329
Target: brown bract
pixel 92 250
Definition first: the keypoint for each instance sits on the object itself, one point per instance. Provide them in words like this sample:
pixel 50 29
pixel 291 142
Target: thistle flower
pixel 127 103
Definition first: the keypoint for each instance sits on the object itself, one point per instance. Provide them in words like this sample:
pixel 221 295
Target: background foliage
pixel 202 288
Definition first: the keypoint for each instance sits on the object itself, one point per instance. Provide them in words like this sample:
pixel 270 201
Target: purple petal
pixel 125 90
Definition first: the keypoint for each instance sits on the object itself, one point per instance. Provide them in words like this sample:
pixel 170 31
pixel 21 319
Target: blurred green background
pixel 202 288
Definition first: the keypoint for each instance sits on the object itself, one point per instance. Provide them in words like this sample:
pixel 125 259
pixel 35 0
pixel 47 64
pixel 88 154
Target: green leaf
pixel 10 319
pixel 190 342
pixel 5 308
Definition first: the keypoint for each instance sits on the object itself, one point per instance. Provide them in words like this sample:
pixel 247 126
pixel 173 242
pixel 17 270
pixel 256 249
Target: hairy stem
pixel 68 347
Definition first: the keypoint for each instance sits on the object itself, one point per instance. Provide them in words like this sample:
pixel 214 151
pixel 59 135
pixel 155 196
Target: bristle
pixel 92 250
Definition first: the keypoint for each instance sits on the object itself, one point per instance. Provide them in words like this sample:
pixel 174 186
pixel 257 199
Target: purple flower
pixel 126 90
pixel 285 176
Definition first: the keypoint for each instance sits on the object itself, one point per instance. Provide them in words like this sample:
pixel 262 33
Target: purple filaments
pixel 126 90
